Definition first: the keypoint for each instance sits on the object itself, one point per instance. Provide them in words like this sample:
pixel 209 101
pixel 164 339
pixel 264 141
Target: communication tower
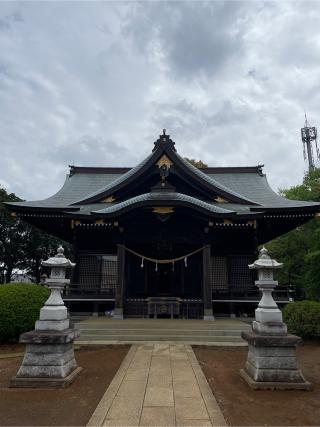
pixel 309 139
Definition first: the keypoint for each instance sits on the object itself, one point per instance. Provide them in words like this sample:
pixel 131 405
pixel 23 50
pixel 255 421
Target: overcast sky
pixel 93 84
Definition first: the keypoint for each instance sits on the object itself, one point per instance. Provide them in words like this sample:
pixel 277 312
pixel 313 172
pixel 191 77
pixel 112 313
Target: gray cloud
pixel 194 37
pixel 7 22
pixel 93 83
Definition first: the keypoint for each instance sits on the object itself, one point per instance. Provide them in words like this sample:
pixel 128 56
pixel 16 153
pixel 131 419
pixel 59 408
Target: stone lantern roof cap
pixel 59 260
pixel 265 261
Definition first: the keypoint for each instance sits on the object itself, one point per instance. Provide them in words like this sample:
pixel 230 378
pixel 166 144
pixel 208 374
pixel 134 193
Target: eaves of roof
pixel 163 199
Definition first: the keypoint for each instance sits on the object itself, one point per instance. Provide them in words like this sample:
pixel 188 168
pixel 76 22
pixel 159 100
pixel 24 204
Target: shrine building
pixel 165 239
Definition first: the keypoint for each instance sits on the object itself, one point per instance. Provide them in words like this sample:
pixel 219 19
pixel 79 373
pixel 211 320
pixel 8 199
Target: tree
pixel 39 246
pixel 23 246
pixel 197 163
pixel 299 249
pixel 11 236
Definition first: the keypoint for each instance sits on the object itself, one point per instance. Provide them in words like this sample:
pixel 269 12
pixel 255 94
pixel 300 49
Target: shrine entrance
pixel 156 289
pixel 161 281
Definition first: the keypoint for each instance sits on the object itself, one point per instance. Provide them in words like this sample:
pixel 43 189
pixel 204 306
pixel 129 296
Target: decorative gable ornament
pixel 109 199
pixel 163 210
pixel 219 199
pixel 164 139
pixel 163 213
pixel 164 161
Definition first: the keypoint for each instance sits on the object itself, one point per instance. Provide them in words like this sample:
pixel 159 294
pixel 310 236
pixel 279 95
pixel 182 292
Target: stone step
pixel 103 331
pixel 154 324
pixel 145 337
pixel 158 332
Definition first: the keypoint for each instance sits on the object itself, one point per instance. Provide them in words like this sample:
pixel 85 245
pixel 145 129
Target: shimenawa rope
pixel 163 261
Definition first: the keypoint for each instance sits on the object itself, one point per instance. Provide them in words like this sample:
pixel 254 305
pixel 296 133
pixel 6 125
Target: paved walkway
pixel 158 385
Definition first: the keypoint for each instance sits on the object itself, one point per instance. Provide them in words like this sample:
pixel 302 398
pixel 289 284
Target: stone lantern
pixel 268 317
pixel 54 314
pixel 271 362
pixel 49 357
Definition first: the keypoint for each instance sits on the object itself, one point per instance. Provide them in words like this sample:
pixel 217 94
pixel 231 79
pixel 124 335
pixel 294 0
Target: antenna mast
pixel 309 138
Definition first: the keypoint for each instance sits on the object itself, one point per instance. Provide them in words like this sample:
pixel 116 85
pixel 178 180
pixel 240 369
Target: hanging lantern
pixel 186 262
pixel 156 266
pixel 142 260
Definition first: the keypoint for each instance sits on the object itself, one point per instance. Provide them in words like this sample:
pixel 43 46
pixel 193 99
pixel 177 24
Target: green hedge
pixel 20 304
pixel 303 318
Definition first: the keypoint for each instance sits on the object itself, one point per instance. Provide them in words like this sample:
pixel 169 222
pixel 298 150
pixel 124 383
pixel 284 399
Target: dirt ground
pixel 72 406
pixel 243 406
pixel 11 348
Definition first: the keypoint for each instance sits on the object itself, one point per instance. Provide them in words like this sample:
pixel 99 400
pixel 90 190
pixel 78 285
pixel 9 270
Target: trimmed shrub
pixel 20 304
pixel 303 318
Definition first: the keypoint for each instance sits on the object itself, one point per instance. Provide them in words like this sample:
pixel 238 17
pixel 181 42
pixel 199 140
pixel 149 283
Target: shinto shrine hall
pixel 165 239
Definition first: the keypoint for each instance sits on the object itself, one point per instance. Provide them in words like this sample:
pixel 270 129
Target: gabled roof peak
pixel 164 141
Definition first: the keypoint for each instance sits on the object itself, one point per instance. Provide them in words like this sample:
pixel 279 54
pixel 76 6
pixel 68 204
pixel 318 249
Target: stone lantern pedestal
pixel 271 362
pixel 49 357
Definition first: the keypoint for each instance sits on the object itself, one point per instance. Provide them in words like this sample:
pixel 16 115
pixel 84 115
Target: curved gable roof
pixel 211 185
pixel 245 188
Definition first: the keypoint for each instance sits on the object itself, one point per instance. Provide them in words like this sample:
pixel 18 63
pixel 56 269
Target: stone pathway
pixel 158 385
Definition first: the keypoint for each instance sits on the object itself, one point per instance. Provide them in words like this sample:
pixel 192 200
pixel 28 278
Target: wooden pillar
pixel 207 288
pixel 119 295
pixel 95 312
pixel 75 279
pixel 232 310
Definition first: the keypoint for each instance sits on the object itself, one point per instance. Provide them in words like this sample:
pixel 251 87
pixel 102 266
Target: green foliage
pixel 197 163
pixel 299 249
pixel 20 304
pixel 308 190
pixel 38 246
pixel 23 246
pixel 312 272
pixel 303 318
pixel 11 234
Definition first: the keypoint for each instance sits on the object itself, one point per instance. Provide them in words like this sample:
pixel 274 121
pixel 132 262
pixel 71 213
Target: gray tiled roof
pixel 211 180
pixel 75 187
pixel 255 186
pixel 252 186
pixel 118 180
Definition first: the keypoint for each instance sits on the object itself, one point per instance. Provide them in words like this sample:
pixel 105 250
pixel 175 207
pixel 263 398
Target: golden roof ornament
pixel 109 199
pixel 219 199
pixel 164 161
pixel 163 210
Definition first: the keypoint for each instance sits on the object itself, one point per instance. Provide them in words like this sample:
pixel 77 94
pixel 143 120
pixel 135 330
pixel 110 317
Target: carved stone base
pixel 272 363
pixel 264 385
pixel 269 328
pixel 22 382
pixel 49 356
